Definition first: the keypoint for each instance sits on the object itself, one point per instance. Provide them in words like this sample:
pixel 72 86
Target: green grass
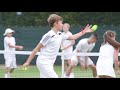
pixel 33 72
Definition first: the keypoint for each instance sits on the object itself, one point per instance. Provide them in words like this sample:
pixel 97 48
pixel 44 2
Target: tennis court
pixel 33 72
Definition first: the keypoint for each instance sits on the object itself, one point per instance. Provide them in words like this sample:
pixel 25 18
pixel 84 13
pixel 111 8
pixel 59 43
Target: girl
pixel 108 56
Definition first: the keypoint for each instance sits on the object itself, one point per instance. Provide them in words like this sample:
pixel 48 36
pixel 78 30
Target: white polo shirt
pixel 83 46
pixel 51 42
pixel 67 42
pixel 10 40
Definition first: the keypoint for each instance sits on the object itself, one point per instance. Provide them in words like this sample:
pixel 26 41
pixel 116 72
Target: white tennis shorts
pixel 74 58
pixel 10 61
pixel 67 55
pixel 46 69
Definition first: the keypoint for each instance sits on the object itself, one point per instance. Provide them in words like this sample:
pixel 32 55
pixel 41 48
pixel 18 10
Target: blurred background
pixel 31 26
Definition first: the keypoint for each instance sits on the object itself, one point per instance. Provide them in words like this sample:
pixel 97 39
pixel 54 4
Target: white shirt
pixel 10 40
pixel 67 42
pixel 51 42
pixel 83 46
pixel 106 51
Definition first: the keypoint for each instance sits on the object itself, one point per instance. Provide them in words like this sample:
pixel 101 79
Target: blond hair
pixel 54 18
pixel 68 25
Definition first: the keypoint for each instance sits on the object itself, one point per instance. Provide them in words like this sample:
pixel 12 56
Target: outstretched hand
pixel 87 29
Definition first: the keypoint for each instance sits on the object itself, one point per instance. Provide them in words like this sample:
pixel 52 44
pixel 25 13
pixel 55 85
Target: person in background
pixel 67 48
pixel 49 46
pixel 108 55
pixel 9 55
pixel 85 45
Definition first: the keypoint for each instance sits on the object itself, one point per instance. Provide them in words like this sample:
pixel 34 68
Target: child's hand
pixel 20 47
pixel 87 29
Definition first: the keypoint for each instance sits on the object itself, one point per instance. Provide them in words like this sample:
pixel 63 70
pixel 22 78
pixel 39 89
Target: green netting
pixel 29 37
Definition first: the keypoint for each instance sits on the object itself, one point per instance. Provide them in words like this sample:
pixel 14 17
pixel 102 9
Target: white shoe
pixel 6 76
pixel 65 76
pixel 9 76
pixel 71 75
pixel 97 77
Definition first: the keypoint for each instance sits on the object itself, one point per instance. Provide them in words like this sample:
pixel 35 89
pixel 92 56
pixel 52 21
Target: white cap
pixel 8 30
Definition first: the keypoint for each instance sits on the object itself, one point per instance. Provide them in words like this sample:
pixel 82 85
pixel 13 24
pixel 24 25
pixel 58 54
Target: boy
pixel 84 46
pixel 67 47
pixel 49 46
pixel 9 46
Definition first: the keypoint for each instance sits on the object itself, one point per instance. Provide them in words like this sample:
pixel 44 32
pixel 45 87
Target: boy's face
pixel 59 25
pixel 93 40
pixel 9 34
pixel 65 28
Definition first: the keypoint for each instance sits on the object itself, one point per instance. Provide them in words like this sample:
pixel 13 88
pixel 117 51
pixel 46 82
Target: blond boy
pixel 49 46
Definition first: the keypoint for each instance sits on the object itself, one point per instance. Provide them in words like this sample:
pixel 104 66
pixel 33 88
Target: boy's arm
pixel 71 44
pixel 15 46
pixel 86 60
pixel 32 55
pixel 76 36
pixel 43 42
pixel 78 57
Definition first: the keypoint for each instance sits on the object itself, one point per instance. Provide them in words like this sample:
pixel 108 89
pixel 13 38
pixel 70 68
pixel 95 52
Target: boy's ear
pixel 55 23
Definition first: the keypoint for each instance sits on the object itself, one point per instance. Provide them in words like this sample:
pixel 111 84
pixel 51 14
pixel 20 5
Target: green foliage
pixel 74 18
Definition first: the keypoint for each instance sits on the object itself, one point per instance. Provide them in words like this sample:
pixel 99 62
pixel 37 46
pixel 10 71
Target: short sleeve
pixel 6 40
pixel 79 46
pixel 45 39
pixel 13 42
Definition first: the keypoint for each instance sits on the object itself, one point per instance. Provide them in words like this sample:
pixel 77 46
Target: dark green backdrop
pixel 29 37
